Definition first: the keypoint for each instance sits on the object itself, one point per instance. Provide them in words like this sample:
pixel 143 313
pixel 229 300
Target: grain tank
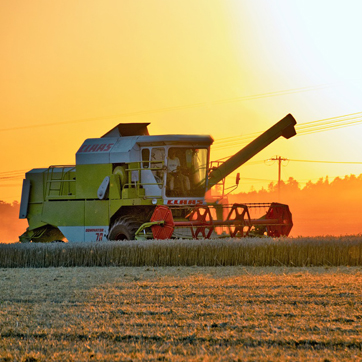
pixel 129 184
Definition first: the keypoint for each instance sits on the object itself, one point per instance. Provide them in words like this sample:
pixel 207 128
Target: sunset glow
pixel 73 70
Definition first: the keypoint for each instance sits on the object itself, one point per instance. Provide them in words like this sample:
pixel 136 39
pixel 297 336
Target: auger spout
pixel 284 127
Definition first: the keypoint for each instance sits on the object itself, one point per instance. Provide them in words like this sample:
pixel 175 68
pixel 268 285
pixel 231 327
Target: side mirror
pixel 237 178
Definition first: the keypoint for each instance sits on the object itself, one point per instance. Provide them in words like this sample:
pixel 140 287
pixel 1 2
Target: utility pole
pixel 279 159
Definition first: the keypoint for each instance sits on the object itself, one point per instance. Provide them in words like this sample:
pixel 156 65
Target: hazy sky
pixel 71 70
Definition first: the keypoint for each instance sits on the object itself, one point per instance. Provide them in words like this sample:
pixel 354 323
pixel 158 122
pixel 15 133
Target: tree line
pixel 323 207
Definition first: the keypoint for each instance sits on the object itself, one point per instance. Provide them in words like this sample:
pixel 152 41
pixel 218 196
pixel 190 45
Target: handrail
pixel 57 179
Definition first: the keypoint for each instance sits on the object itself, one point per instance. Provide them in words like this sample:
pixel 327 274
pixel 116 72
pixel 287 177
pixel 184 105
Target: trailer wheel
pixel 124 228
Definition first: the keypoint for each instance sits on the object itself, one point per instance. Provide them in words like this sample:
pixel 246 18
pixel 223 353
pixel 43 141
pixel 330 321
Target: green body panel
pixel 89 178
pixel 64 213
pixel 114 206
pixel 69 198
pixel 96 212
pixel 114 187
pixel 37 182
pixel 35 216
pixel 132 193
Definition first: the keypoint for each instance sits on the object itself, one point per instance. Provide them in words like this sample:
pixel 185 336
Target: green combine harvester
pixel 129 185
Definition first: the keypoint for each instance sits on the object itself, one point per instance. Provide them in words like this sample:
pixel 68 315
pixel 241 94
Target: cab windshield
pixel 186 172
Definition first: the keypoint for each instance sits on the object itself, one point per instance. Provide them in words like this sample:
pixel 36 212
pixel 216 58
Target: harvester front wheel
pixel 124 228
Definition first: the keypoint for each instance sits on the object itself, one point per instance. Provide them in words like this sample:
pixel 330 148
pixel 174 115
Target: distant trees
pixel 319 208
pixel 350 185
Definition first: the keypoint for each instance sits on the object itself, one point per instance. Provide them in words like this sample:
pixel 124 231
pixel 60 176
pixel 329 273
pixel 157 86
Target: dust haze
pixel 10 224
pixel 319 209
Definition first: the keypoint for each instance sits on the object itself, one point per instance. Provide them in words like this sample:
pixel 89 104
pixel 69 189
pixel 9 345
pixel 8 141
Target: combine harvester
pixel 129 185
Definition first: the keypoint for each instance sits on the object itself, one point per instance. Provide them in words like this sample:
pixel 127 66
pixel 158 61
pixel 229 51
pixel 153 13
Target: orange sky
pixel 77 68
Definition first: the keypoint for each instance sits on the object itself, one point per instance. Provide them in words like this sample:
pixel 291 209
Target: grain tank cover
pixel 128 129
pixel 123 142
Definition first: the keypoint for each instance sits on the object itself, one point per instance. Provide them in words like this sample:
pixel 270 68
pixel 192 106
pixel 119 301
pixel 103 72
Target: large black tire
pixel 124 228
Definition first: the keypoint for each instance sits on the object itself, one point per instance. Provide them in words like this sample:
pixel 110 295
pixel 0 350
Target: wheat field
pixel 181 313
pixel 322 251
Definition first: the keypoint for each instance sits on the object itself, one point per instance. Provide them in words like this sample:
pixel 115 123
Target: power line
pixel 16 171
pixel 329 119
pixel 256 179
pixel 176 108
pixel 11 185
pixel 274 94
pixel 341 162
pixel 11 175
pixel 321 125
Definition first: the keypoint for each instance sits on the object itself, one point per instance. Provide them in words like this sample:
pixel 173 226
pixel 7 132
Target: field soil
pixel 181 313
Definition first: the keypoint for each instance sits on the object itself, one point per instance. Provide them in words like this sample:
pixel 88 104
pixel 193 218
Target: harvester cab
pixel 129 184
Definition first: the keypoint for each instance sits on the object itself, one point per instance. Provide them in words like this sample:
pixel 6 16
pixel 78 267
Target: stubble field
pixel 181 313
